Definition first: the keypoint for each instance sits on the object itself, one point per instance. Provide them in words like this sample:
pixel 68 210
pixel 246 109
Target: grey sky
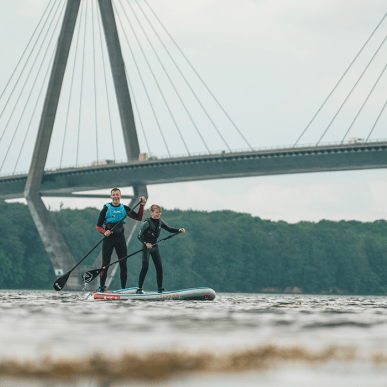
pixel 271 64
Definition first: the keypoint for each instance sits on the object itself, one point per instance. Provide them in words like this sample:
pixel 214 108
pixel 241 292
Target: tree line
pixel 225 250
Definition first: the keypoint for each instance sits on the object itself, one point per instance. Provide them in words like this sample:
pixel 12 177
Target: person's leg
pixel 144 268
pixel 107 249
pixel 156 257
pixel 122 251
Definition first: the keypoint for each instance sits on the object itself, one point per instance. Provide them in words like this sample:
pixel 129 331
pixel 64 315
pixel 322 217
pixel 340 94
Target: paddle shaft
pixel 127 256
pixel 90 275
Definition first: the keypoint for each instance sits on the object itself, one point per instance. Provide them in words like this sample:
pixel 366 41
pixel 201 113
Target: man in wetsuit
pixel 148 235
pixel 110 215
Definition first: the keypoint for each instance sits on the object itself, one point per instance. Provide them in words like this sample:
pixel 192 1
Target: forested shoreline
pixel 224 250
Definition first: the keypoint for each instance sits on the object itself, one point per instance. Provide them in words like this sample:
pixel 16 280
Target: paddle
pixel 90 275
pixel 61 281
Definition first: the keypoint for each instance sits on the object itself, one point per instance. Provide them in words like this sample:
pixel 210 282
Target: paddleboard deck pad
pixel 195 294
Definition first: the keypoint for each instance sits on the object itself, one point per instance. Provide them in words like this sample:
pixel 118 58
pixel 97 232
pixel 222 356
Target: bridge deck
pixel 63 182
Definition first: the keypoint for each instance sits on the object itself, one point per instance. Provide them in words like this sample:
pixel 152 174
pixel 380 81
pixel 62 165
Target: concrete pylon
pixel 56 248
pixel 119 78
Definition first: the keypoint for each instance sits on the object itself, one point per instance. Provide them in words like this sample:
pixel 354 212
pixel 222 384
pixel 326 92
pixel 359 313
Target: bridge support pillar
pixel 56 248
pixel 119 78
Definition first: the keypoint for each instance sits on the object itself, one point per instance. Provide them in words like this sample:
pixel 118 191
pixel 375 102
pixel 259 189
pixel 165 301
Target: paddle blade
pixel 61 282
pixel 90 275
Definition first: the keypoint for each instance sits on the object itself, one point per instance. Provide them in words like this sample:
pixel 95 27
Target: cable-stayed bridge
pixel 68 182
pixel 102 91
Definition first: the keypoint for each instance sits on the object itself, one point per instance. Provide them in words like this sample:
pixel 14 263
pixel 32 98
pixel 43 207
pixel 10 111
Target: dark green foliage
pixel 78 230
pixel 23 260
pixel 225 250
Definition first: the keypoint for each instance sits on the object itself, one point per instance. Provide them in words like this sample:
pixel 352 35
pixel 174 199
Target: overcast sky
pixel 271 64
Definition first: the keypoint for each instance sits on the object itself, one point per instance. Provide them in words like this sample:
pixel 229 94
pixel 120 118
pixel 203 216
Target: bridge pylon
pixel 55 246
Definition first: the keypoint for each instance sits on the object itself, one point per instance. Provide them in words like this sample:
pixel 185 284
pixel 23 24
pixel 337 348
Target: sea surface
pixel 50 338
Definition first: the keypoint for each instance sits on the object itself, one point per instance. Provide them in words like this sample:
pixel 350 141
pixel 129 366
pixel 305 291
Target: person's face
pixel 116 197
pixel 155 214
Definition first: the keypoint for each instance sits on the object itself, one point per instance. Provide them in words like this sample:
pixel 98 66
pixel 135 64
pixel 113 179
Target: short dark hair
pixel 115 189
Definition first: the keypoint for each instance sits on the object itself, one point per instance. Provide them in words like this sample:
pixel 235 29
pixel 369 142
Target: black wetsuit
pixel 149 233
pixel 116 241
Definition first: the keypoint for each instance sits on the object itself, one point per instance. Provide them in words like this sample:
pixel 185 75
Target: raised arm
pixel 135 215
pixel 171 229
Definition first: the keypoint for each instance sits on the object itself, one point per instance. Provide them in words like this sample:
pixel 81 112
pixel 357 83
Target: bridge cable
pixel 189 86
pixel 213 96
pixel 170 80
pixel 46 78
pixel 71 86
pixel 205 111
pixel 25 50
pixel 142 81
pixel 9 97
pixel 81 90
pixel 32 88
pixel 377 120
pixel 29 73
pixel 337 84
pixel 106 87
pixel 155 79
pixel 95 81
pixel 353 88
pixel 133 96
pixel 361 108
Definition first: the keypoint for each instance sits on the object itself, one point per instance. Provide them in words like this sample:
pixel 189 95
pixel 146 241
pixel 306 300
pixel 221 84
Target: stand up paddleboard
pixel 197 294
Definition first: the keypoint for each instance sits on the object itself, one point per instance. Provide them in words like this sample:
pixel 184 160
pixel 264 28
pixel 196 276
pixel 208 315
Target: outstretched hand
pixel 182 230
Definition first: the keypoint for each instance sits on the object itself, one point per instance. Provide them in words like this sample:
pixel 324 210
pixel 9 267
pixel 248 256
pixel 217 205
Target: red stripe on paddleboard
pixel 102 297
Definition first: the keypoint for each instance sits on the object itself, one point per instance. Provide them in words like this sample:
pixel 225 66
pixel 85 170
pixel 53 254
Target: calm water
pixel 235 340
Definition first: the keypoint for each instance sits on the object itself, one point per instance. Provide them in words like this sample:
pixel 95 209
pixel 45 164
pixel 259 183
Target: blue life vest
pixel 114 214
